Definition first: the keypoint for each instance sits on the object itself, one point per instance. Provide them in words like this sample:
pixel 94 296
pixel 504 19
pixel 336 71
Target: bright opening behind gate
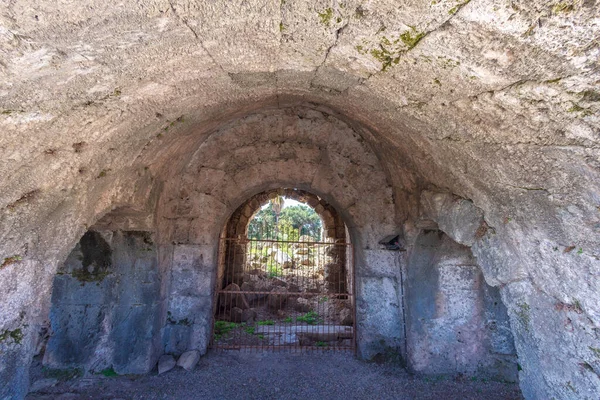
pixel 286 276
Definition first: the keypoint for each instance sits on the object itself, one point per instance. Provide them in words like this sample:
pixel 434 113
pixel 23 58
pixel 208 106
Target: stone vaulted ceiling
pixel 495 101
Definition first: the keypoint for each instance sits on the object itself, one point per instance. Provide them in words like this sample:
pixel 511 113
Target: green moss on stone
pixel 326 16
pixel 457 7
pixel 10 260
pixel 590 95
pixel 16 335
pixel 562 8
pixel 411 37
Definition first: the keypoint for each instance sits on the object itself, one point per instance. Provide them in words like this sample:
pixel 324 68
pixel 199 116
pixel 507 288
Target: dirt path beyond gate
pixel 236 375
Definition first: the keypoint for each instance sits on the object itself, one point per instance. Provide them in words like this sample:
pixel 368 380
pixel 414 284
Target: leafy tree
pixel 274 222
pixel 304 219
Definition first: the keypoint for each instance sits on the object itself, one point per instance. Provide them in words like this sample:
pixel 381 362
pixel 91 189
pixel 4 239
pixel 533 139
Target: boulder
pixel 278 282
pixel 256 285
pixel 277 298
pixel 248 315
pixel 346 317
pixel 165 363
pixel 302 305
pixel 189 359
pixel 236 315
pixel 233 299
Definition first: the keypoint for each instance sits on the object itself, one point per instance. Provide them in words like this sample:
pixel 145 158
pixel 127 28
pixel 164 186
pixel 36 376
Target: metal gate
pixel 284 292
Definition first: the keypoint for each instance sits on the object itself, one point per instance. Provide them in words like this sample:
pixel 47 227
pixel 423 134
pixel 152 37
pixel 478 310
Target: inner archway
pixel 285 276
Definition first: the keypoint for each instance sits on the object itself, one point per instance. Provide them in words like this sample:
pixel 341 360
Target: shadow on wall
pixel 456 323
pixel 105 305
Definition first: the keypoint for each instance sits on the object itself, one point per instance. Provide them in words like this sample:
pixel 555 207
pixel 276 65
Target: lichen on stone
pixel 411 37
pixel 326 16
pixel 523 314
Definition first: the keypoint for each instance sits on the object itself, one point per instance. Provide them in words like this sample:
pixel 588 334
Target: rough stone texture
pixel 104 311
pixel 103 105
pixel 166 363
pixel 456 324
pixel 189 359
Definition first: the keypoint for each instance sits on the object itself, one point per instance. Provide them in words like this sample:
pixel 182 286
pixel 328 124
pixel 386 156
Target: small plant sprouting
pixel 16 335
pixel 321 344
pixel 223 327
pixel 109 372
pixel 580 251
pixel 311 318
pixel 10 260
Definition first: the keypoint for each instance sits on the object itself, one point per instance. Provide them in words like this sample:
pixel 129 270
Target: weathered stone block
pixel 189 359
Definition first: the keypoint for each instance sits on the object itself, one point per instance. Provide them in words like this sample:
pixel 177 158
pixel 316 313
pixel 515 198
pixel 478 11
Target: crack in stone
pixel 425 34
pixel 328 51
pixel 185 22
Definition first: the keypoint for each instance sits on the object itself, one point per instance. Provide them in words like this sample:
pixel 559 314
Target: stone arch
pixel 338 275
pixel 333 225
pixel 305 149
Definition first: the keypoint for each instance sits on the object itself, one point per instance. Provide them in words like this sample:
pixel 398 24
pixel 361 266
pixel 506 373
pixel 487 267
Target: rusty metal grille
pixel 278 294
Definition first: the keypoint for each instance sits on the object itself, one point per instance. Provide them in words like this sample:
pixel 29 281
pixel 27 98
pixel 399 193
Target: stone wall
pixel 496 102
pixel 296 148
pixel 456 324
pixel 105 305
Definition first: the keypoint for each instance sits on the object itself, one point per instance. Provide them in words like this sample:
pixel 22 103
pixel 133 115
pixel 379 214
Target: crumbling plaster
pixel 496 102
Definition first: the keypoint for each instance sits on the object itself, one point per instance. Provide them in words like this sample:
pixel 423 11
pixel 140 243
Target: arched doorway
pixel 285 276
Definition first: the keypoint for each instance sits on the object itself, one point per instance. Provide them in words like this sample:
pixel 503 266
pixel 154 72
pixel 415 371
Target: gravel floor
pixel 236 375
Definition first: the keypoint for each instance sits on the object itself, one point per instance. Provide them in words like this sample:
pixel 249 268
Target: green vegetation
pixel 16 335
pixel 311 318
pixel 457 7
pixel 590 95
pixel 411 38
pixel 223 327
pixel 326 16
pixel 288 320
pixel 321 344
pixel 10 260
pixel 562 8
pixel 249 330
pixel 261 337
pixel 266 322
pixel 109 372
pixel 276 222
pixel 62 374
